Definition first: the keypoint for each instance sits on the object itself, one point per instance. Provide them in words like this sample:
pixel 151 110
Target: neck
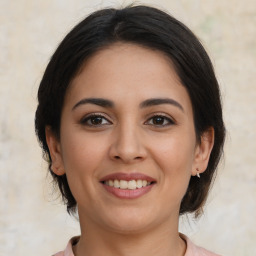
pixel 163 240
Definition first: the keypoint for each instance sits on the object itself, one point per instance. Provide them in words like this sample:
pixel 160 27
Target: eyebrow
pixel 110 104
pixel 96 101
pixel 160 101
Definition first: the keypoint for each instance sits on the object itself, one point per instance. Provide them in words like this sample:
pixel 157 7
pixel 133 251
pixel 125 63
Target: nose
pixel 127 145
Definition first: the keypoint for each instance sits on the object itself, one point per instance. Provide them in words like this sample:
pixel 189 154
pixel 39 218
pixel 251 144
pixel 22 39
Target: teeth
pixel 132 184
pixel 139 183
pixel 116 184
pixel 124 184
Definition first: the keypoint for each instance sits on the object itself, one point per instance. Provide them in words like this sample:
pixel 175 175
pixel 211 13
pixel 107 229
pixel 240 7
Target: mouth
pixel 128 185
pixel 124 184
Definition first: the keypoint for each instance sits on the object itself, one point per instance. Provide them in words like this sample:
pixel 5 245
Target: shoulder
pixel 68 250
pixel 59 254
pixel 194 250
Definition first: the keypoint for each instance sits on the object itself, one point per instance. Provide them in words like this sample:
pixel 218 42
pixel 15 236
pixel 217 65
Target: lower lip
pixel 128 193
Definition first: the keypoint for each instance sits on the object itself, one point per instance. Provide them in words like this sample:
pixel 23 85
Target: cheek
pixel 82 153
pixel 175 155
pixel 175 158
pixel 82 156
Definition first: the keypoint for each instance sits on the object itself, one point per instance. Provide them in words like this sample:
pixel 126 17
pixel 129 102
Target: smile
pixel 128 185
pixel 124 184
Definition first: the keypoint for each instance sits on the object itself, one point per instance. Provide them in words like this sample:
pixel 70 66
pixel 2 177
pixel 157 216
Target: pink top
pixel 192 249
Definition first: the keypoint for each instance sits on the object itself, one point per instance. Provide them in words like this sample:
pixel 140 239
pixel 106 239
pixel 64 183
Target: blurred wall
pixel 32 219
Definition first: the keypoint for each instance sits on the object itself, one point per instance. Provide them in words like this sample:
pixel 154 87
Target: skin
pixel 128 138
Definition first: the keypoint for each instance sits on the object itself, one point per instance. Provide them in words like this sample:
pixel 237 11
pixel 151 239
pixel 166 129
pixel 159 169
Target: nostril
pixel 117 157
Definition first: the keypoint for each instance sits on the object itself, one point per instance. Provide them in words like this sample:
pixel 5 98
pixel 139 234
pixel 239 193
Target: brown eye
pixel 95 120
pixel 160 121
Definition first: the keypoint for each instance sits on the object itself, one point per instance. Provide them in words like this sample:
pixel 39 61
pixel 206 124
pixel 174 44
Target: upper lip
pixel 127 177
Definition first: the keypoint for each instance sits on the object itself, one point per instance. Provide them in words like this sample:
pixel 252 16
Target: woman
pixel 130 121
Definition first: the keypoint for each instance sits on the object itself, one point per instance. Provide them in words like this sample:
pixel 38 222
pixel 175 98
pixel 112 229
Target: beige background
pixel 31 221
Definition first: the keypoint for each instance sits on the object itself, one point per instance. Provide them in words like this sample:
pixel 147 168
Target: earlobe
pixel 203 151
pixel 55 151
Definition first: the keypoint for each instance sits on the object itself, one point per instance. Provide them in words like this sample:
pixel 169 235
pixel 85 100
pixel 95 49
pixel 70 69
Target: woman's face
pixel 127 140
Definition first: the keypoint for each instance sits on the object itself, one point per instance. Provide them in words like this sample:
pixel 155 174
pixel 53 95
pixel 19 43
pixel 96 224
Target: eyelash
pixel 168 119
pixel 90 117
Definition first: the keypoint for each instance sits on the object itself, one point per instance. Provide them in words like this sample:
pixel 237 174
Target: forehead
pixel 128 71
pixel 127 59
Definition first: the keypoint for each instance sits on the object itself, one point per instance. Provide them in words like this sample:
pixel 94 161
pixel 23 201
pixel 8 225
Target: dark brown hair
pixel 154 29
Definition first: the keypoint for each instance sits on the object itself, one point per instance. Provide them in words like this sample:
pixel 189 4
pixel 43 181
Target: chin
pixel 131 221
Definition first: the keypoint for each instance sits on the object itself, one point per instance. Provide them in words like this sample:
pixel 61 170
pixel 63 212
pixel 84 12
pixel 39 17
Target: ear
pixel 55 151
pixel 203 151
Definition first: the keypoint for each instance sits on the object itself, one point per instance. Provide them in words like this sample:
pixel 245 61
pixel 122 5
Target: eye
pixel 160 120
pixel 95 120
